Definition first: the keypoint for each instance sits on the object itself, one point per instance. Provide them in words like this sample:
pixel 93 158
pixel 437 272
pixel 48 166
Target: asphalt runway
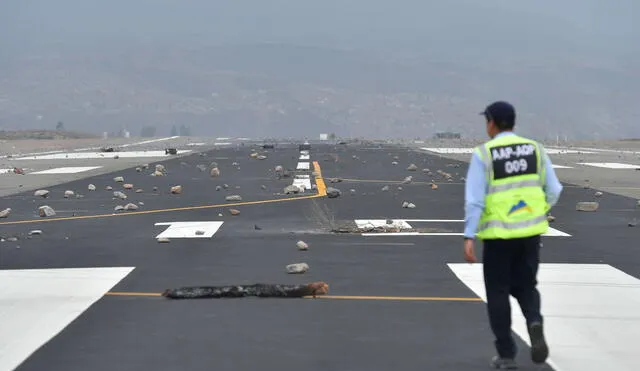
pixel 394 300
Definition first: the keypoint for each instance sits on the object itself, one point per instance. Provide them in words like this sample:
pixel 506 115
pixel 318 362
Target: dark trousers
pixel 510 268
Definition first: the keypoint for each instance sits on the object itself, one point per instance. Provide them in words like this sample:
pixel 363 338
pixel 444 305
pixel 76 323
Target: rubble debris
pixel 91 187
pixel 163 240
pixel 5 213
pixel 41 193
pixel 17 170
pixel 301 245
pixel 598 194
pixel 46 211
pixel 352 191
pixel 160 168
pixel 145 166
pixel 633 223
pixel 225 186
pixel 35 232
pixel 291 189
pixel 139 190
pixel 399 188
pixel 263 187
pixel 262 157
pixel 297 268
pixel 434 186
pixel 118 208
pixel 426 170
pixel 176 189
pixel 218 188
pixel 118 179
pixel 412 167
pixel 108 188
pixel 68 193
pixel 385 188
pixel 130 206
pixel 408 205
pixel 255 226
pixel 394 163
pixel 201 167
pixel 335 180
pixel 333 192
pixel 407 180
pixel 551 218
pixel 127 186
pixel 234 212
pixel 139 169
pixel 215 172
pixel 155 189
pixel 587 206
pixel 233 198
pixel 157 173
pixel 260 290
pixel 213 164
pixel 120 195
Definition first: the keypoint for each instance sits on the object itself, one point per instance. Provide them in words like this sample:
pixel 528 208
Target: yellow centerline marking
pixel 330 297
pixel 322 191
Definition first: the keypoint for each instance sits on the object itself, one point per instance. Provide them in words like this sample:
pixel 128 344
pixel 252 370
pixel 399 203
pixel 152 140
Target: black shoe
pixel 539 348
pixel 503 363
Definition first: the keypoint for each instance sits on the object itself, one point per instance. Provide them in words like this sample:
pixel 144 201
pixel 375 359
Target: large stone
pixel 333 192
pixel 157 173
pixel 233 198
pixel 127 186
pixel 130 206
pixel 262 157
pixel 301 245
pixel 41 193
pixel 297 268
pixel 5 213
pixel 234 212
pixel 412 167
pixel 160 168
pixel 119 195
pixel 291 189
pixel 118 208
pixel 176 189
pixel 46 211
pixel 118 179
pixel 91 187
pixel 68 193
pixel 587 206
pixel 215 172
pixel 385 188
pixel 201 167
pixel 407 180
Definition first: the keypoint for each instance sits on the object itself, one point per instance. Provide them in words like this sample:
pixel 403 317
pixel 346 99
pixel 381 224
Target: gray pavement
pixel 394 303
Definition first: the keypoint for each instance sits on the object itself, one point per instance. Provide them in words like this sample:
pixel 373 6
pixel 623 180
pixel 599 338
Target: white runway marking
pixel 611 165
pixel 222 143
pixel 589 312
pixel 304 152
pixel 561 167
pixel 304 157
pixel 67 170
pixel 458 150
pixel 306 183
pixel 302 166
pixel 98 155
pixel 148 141
pixel 196 144
pixel 404 224
pixel 36 304
pixel 189 229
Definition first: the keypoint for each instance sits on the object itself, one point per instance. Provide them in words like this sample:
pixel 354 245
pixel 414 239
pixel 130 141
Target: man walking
pixel 510 187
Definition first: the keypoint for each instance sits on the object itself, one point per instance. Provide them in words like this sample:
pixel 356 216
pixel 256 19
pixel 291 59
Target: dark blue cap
pixel 500 111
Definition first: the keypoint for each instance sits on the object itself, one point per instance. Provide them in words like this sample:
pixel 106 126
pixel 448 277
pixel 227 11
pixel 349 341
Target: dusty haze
pixel 299 68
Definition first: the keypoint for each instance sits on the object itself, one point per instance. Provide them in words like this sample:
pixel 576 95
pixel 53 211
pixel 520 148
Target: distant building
pixel 447 135
pixel 324 136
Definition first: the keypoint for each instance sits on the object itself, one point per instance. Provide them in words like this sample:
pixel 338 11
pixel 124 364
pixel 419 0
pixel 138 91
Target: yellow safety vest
pixel 515 203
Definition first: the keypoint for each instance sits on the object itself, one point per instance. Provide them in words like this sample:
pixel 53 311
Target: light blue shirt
pixel 476 186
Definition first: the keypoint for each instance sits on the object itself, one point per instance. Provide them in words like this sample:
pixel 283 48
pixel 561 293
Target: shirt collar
pixel 504 133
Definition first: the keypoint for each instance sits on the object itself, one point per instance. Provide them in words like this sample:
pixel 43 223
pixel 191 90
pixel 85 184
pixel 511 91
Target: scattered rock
pixel 201 167
pixel 145 166
pixel 213 164
pixel 335 180
pixel 108 188
pixel 163 240
pixel 587 206
pixel 291 189
pixel 633 223
pixel 412 167
pixel 394 163
pixel 160 168
pixel 35 232
pixel 176 189
pixel 118 208
pixel 120 195
pixel 262 157
pixel 118 179
pixel 215 172
pixel 551 218
pixel 41 193
pixel 598 194
pixel 408 205
pixel 218 188
pixel 5 213
pixel 426 170
pixel 399 188
pixel 352 191
pixel 127 186
pixel 157 173
pixel 234 212
pixel 233 198
pixel 253 155
pixel 139 169
pixel 263 187
pixel 297 268
pixel 155 189
pixel 130 206
pixel 225 186
pixel 385 188
pixel 91 187
pixel 46 211
pixel 407 180
pixel 68 193
pixel 302 245
pixel 333 192
pixel 434 186
pixel 139 190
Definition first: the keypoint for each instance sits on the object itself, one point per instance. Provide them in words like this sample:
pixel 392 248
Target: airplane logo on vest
pixel 506 152
pixel 519 208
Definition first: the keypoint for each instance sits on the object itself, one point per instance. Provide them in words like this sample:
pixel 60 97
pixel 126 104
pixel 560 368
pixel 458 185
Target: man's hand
pixel 469 251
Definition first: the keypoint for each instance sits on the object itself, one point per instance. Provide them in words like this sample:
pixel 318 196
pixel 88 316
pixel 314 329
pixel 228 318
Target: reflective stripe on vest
pixel 518 191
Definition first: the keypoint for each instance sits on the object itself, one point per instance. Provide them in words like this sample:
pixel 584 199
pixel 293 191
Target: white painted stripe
pixel 36 304
pixel 606 150
pixel 222 143
pixel 303 166
pixel 99 155
pixel 31 154
pixel 459 150
pixel 306 183
pixel 222 138
pixel 149 141
pixel 189 229
pixel 67 170
pixel 404 224
pixel 196 144
pixel 563 151
pixel 302 176
pixel 304 152
pixel 611 165
pixel 589 313
pixel 561 167
pixel 304 157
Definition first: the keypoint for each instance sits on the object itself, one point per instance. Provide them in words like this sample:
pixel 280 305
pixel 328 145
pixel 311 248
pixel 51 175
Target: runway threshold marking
pixel 330 297
pixel 322 192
